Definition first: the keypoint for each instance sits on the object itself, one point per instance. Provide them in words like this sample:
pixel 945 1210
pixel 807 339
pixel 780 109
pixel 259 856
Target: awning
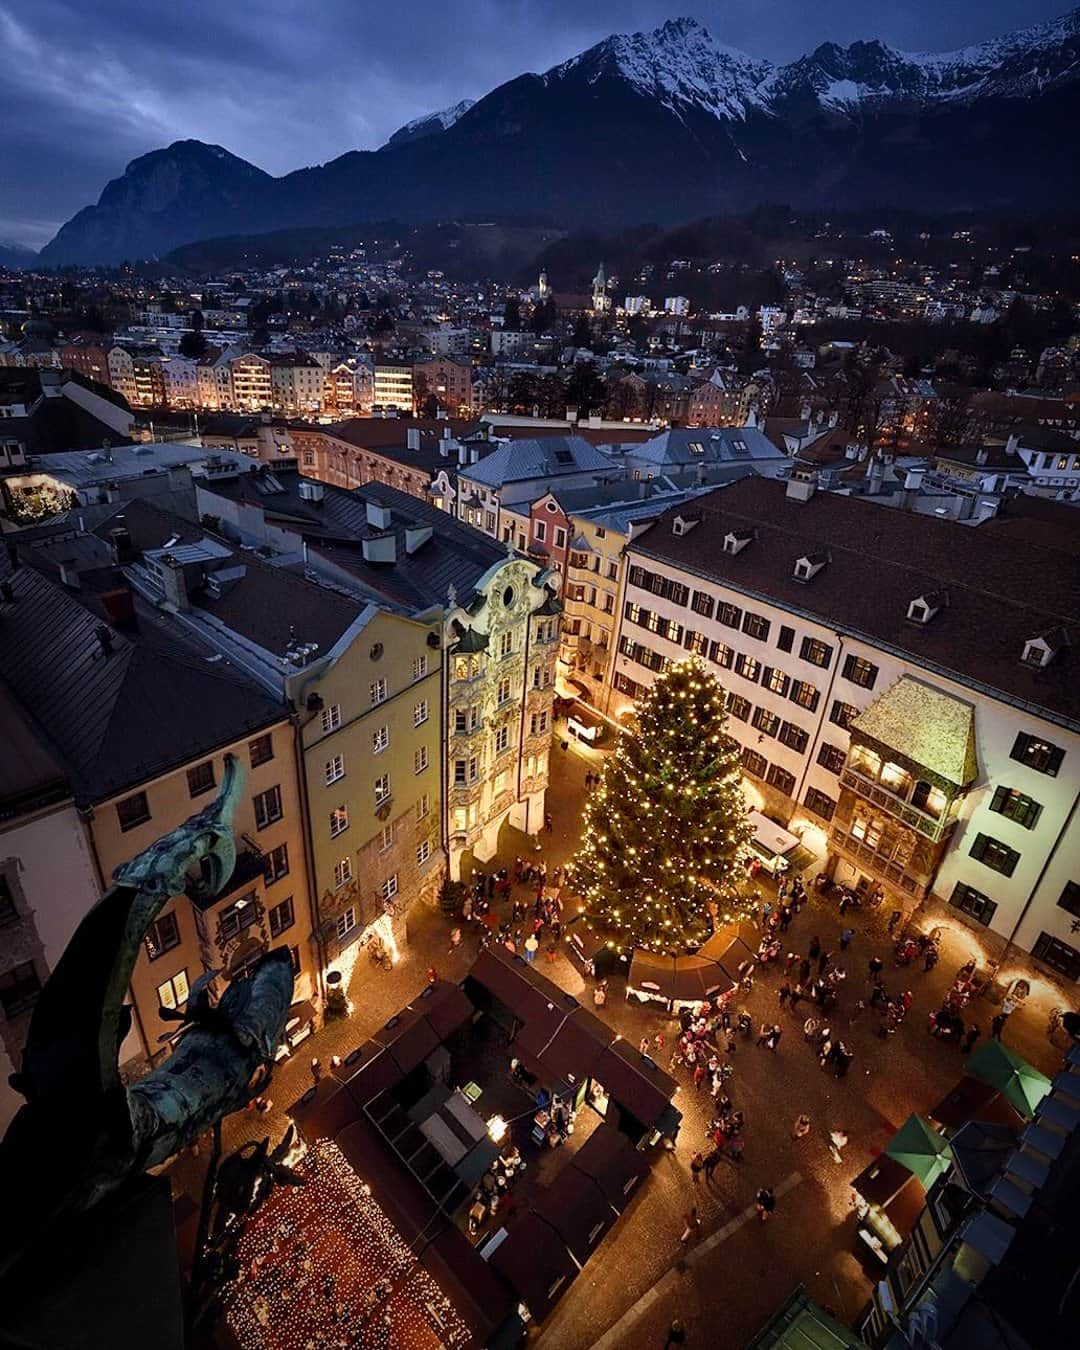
pixel 770 837
pixel 918 1147
pixel 1022 1085
pixel 679 979
pixel 535 1261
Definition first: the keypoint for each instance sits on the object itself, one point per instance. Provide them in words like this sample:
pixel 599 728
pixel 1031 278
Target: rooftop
pixel 933 729
pixel 546 457
pixel 879 562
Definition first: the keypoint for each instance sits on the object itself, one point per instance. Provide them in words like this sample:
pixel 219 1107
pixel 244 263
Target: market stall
pixel 676 982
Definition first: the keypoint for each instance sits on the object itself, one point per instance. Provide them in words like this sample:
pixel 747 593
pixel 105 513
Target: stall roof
pixel 616 1166
pixel 635 1082
pixel 576 1047
pixel 324 1109
pixel 578 1210
pixel 535 1261
pixel 972 1099
pixel 729 952
pixel 883 1180
pixel 682 978
pixel 770 836
pixel 446 1007
pixel 416 1040
pixel 377 1074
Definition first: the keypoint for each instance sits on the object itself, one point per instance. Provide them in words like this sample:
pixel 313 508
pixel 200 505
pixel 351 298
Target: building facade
pixel 912 736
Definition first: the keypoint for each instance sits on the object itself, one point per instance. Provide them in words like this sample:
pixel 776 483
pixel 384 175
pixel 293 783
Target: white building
pixel 393 387
pixel 637 304
pixel 903 690
pixel 678 305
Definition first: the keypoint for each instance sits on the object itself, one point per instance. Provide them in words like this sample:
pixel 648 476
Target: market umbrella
pixel 1019 1083
pixel 918 1147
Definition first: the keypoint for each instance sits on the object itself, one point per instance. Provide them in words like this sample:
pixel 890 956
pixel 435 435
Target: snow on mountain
pixel 431 123
pixel 680 65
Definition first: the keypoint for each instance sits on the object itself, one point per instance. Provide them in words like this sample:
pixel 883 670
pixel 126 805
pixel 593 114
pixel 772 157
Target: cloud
pixel 86 88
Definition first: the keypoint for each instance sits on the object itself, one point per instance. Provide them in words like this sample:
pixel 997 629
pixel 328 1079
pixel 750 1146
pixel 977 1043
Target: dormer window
pixel 923 608
pixel 809 565
pixel 696 448
pixel 736 541
pixel 684 524
pixel 1040 651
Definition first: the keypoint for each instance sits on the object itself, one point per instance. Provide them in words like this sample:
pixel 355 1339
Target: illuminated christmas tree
pixel 666 831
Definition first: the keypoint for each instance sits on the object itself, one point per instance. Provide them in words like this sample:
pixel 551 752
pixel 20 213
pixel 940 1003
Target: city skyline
pixel 86 94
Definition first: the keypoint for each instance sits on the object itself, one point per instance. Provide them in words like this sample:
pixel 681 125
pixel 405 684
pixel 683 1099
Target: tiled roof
pixel 933 729
pixel 718 444
pixel 544 457
pixel 115 719
pixel 998 595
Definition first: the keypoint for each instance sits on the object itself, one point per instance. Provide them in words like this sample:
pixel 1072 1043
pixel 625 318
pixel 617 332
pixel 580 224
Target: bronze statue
pixel 81 1132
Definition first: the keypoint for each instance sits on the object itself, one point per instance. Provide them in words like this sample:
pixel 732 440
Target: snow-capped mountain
pixel 661 126
pixel 430 123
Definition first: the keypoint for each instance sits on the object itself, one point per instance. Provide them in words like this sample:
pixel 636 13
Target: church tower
pixel 601 301
pixel 543 289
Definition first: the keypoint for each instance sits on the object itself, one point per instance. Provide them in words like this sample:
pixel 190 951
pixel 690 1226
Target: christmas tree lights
pixel 666 832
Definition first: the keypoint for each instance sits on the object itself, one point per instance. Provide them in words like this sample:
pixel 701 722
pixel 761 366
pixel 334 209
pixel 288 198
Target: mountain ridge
pixel 595 139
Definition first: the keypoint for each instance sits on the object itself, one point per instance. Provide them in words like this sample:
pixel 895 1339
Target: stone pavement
pixel 738 1270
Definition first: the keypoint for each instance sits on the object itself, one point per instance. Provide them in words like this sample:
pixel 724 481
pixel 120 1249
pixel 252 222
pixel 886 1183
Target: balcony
pixel 931 827
pixel 249 872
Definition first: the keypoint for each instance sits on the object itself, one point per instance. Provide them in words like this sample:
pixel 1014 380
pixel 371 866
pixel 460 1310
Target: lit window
pixel 420 759
pixel 172 993
pixel 334 769
pixel 342 874
pixel 420 713
pixel 331 718
pixel 380 740
pixel 423 852
pixel 423 806
pixel 267 807
pixel 419 667
pixel 378 692
pixel 382 789
pixel 346 921
pixel 339 821
pixel 389 887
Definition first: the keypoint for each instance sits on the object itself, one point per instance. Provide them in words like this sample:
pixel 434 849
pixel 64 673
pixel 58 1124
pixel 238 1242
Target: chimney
pixel 462 456
pixel 800 489
pixel 121 545
pixel 412 438
pixel 174 583
pixel 105 639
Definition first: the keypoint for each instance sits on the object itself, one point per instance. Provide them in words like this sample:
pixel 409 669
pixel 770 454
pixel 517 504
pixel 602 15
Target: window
pixel 423 852
pixel 1069 899
pixel 386 838
pixel 754 763
pixel 502 738
pixel 281 917
pixel 702 604
pixel 747 666
pixel 419 667
pixel 804 694
pixel 162 936
pixel 722 655
pixel 502 693
pixel 1015 806
pixel 420 713
pixel 173 992
pixel 389 888
pixel 820 803
pixel 540 530
pixel 342 877
pixel 276 864
pixel 538 724
pixel 697 643
pixel 346 922
pixel 729 615
pixel 261 750
pixel 831 757
pixel 133 810
pixel 331 718
pixel 420 759
pixel 994 854
pixel 380 740
pixel 785 639
pixel 560 537
pixel 860 672
pixel 776 680
pixel 972 902
pixel 541 677
pixel 339 821
pixel 267 807
pixel 756 626
pixel 795 738
pixel 423 806
pixel 506 644
pixel 781 779
pixel 843 714
pixel 1037 754
pixel 334 769
pixel 739 707
pixel 815 651
pixel 1058 956
pixel 201 779
pixel 377 692
pixel 382 789
pixel 240 915
pixel 766 721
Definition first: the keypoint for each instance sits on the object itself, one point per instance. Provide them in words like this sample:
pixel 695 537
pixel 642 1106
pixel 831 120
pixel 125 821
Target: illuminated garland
pixel 332 1230
pixel 666 832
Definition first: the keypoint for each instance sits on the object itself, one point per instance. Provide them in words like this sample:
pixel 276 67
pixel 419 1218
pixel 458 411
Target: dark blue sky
pixel 85 87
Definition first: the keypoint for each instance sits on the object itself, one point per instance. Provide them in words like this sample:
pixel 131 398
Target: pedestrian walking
pixel 643 1045
pixel 875 965
pixel 432 975
pixel 997 1026
pixel 455 939
pixel 784 994
pixel 693 1224
pixel 549 824
pixel 697 1166
pixel 846 934
pixel 802 1126
pixel 700 1074
pixel 970 1037
pixel 837 1143
pixel 676 1335
pixel 894 920
pixel 712 1161
pixel 858 1010
pixel 815 948
pixel 658 1041
pixel 791 963
pixel 804 970
pixel 823 961
pixel 316 1070
pixel 772 1040
pixel 765 1201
